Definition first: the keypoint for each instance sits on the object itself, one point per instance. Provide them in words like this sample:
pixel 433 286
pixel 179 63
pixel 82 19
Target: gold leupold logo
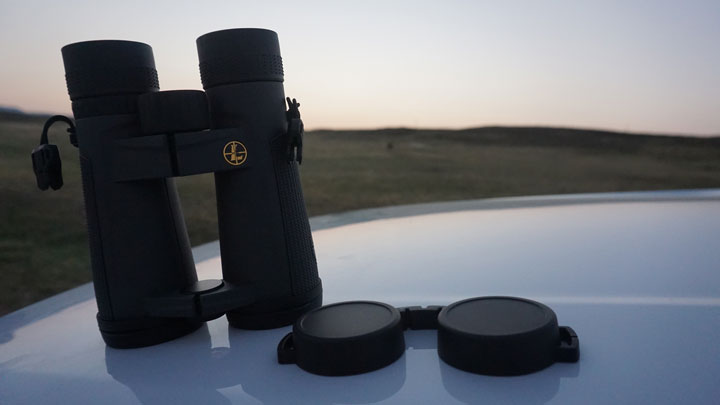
pixel 235 153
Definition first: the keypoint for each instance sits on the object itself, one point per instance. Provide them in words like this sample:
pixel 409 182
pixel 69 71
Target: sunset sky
pixel 642 66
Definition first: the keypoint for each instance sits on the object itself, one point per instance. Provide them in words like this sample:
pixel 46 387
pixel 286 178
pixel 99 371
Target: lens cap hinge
pixel 286 350
pixel 569 349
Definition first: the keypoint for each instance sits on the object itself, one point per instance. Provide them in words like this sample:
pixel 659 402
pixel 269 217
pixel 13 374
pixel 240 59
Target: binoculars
pixel 133 139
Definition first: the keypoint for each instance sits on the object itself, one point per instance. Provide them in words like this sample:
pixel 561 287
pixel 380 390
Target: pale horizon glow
pixel 637 66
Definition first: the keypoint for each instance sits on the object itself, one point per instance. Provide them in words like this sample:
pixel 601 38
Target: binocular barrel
pixel 139 246
pixel 145 282
pixel 265 235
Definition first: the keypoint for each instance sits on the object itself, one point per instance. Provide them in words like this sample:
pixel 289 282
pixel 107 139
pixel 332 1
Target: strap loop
pixel 46 158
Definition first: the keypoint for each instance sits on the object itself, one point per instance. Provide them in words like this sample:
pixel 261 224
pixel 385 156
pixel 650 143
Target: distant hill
pixel 9 114
pixel 597 140
pixel 7 109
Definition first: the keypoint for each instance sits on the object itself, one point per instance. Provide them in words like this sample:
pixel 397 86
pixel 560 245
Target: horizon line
pixel 522 126
pixel 18 111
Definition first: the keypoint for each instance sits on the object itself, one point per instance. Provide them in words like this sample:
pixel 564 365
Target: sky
pixel 638 66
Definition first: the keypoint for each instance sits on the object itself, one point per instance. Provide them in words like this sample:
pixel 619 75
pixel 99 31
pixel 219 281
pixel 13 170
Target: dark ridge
pixel 12 116
pixel 538 137
pixel 7 109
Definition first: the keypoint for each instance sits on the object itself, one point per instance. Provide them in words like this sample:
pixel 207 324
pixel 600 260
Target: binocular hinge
pixel 206 299
pixel 180 154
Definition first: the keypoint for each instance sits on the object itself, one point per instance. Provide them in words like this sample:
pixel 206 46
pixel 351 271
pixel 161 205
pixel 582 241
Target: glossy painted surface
pixel 636 275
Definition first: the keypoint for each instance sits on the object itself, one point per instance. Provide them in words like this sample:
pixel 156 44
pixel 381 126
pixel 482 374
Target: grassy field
pixel 43 246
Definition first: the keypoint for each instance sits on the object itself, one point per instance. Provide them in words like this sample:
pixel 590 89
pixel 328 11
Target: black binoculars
pixel 133 139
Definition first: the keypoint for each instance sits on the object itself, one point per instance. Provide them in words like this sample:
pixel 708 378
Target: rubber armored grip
pixel 265 238
pixel 138 242
pixel 94 239
pixel 298 237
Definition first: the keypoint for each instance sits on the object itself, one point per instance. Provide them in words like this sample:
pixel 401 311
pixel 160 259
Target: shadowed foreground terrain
pixel 43 246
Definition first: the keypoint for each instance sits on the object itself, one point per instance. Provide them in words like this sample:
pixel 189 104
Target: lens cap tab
pixel 499 336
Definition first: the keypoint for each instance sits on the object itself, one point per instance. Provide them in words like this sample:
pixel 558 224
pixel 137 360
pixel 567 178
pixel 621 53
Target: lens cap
pixel 503 336
pixel 345 338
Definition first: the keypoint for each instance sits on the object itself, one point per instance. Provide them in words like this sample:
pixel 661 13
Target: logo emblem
pixel 235 153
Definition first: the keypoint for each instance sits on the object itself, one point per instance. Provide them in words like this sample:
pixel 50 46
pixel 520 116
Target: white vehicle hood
pixel 636 275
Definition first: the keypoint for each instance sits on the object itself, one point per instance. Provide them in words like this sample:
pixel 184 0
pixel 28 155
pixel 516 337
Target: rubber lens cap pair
pixel 500 336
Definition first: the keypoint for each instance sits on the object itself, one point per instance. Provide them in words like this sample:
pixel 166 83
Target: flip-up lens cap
pixel 503 336
pixel 345 338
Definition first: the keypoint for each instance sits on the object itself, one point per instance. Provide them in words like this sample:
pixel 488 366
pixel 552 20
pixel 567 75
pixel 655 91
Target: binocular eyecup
pixel 109 68
pixel 239 56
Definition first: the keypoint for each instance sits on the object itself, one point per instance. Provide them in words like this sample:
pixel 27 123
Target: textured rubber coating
pixel 97 261
pixel 241 68
pixel 111 81
pixel 298 237
pixel 265 238
pixel 260 209
pixel 238 56
pixel 109 67
pixel 138 242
